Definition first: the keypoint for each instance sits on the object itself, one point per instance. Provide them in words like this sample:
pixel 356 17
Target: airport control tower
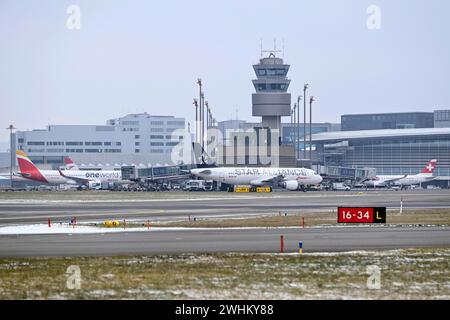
pixel 271 100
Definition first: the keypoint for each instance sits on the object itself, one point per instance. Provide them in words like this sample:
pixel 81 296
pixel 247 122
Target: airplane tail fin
pixel 201 157
pixel 429 168
pixel 27 167
pixel 69 164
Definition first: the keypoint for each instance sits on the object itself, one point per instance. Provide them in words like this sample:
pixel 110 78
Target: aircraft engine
pixel 289 185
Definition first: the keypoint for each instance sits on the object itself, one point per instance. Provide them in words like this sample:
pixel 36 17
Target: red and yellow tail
pixel 69 164
pixel 28 169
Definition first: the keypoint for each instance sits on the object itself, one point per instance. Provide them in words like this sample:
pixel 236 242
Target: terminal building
pixel 140 139
pixel 376 121
pixel 389 151
pixel 442 118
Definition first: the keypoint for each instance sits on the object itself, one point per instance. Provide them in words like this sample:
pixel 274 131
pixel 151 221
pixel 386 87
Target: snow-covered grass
pixel 405 274
pixel 65 228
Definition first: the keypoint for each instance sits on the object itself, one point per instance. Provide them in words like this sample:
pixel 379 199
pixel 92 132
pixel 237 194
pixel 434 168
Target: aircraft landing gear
pixel 303 188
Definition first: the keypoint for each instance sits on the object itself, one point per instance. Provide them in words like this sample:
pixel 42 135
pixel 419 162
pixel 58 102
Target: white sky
pixel 136 56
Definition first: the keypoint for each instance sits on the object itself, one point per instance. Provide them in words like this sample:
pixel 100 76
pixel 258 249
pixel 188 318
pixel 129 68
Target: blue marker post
pixel 300 247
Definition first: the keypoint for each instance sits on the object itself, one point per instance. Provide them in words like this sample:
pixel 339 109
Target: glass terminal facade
pixel 397 153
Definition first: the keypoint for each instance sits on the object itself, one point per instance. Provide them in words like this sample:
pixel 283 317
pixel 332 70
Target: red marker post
pixel 282 244
pixel 303 222
pixel 49 223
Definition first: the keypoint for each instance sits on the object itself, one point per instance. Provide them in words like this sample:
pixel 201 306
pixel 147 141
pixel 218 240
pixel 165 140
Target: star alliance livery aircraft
pixel 288 178
pixel 87 177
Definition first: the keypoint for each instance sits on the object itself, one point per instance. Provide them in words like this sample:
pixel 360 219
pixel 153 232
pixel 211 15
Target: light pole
pixel 200 103
pixel 11 128
pixel 311 100
pixel 195 103
pixel 298 125
pixel 207 122
pixel 207 119
pixel 293 125
pixel 305 87
pixel 202 122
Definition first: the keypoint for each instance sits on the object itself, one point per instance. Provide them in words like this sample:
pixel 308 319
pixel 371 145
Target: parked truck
pixel 198 185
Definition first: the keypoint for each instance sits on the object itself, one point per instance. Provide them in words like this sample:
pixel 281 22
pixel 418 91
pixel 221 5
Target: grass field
pixel 405 274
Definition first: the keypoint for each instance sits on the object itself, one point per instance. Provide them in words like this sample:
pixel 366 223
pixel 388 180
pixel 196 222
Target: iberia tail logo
pixel 28 169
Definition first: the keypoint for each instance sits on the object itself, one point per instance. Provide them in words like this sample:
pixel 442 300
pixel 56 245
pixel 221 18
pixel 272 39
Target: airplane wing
pixel 273 179
pixel 77 180
pixel 395 179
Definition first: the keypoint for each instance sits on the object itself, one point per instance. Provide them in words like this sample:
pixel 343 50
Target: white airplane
pixel 87 177
pixel 403 180
pixel 288 178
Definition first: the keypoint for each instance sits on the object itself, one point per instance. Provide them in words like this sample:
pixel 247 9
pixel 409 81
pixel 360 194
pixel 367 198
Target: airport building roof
pixel 385 133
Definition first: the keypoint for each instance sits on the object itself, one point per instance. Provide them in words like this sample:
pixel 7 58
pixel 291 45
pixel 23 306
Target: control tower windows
pixel 271 87
pixel 272 72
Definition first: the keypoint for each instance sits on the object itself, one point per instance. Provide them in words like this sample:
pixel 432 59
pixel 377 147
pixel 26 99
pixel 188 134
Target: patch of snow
pixel 102 293
pixel 64 228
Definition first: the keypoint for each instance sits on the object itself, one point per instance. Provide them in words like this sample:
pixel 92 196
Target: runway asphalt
pixel 217 240
pixel 224 240
pixel 222 204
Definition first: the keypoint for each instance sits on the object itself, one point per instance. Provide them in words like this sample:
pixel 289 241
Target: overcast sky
pixel 136 56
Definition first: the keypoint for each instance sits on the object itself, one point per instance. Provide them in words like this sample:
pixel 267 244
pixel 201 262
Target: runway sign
pixel 361 215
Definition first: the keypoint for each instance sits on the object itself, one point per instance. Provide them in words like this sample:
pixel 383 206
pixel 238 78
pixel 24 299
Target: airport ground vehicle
pixel 340 187
pixel 198 185
pixel 315 187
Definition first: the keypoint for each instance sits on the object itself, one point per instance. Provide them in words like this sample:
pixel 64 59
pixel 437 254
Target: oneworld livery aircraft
pixel 86 177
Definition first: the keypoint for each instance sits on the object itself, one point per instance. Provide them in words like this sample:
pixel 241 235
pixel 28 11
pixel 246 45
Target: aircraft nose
pixel 319 179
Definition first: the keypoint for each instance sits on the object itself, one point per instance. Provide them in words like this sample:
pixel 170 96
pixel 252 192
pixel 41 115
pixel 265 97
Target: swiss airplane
pixel 403 180
pixel 88 177
pixel 288 178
